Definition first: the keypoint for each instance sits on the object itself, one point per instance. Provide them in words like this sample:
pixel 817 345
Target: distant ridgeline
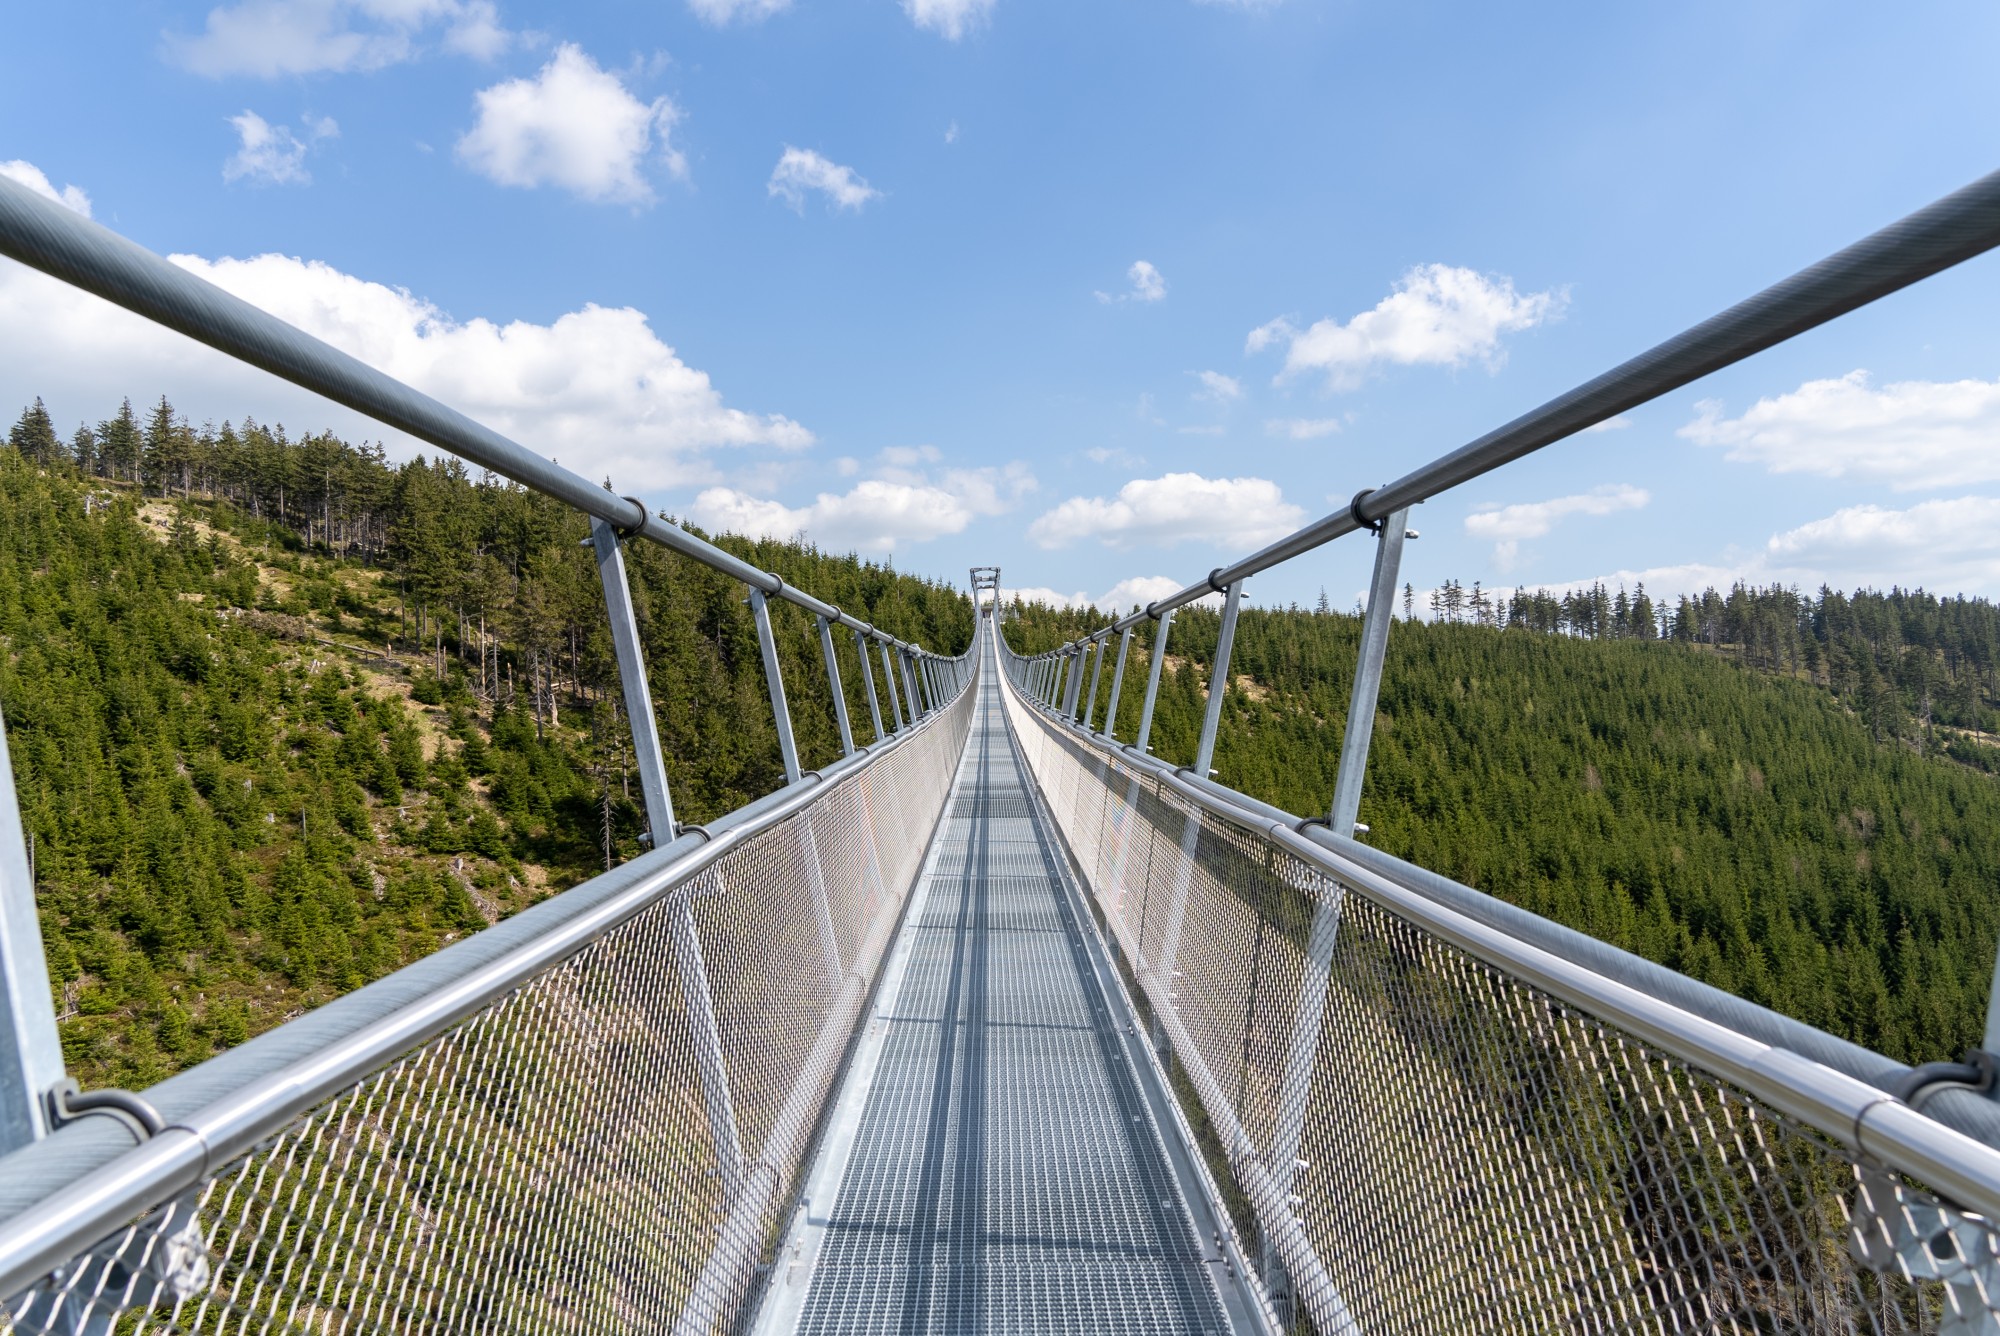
pixel 1787 795
pixel 285 716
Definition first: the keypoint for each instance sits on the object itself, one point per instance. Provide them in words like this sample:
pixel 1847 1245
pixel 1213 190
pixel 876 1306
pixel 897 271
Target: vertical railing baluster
pixel 1096 675
pixel 833 679
pixel 31 1058
pixel 1300 1062
pixel 868 677
pixel 1218 680
pixel 690 963
pixel 774 678
pixel 1117 686
pixel 889 676
pixel 1144 741
pixel 910 690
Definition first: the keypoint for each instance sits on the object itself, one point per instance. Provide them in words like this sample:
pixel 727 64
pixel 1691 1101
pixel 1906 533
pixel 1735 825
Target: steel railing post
pixel 1110 729
pixel 915 701
pixel 1072 688
pixel 1296 1089
pixel 889 676
pixel 1096 676
pixel 868 677
pixel 833 679
pixel 774 678
pixel 1218 680
pixel 690 963
pixel 1144 740
pixel 31 1060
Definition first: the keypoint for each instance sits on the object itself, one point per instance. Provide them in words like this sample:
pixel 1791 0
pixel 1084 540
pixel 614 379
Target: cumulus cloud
pixel 1147 285
pixel 271 154
pixel 1617 423
pixel 1439 315
pixel 596 388
pixel 950 19
pixel 1227 512
pixel 272 38
pixel 25 173
pixel 1301 429
pixel 1121 598
pixel 1217 387
pixel 720 13
pixel 1506 526
pixel 800 170
pixel 1949 546
pixel 1910 434
pixel 880 514
pixel 575 126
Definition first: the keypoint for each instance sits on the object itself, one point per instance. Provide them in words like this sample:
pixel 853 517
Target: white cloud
pixel 1301 429
pixel 1618 423
pixel 882 514
pixel 272 154
pixel 1241 4
pixel 721 12
pixel 1218 387
pixel 1506 526
pixel 951 133
pixel 1911 434
pixel 596 388
pixel 26 173
pixel 1113 454
pixel 1228 512
pixel 950 19
pixel 1120 598
pixel 910 456
pixel 271 38
pixel 1947 546
pixel 1148 285
pixel 801 169
pixel 573 125
pixel 1439 315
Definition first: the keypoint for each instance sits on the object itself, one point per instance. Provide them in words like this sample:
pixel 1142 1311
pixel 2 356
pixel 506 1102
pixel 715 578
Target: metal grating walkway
pixel 994 1162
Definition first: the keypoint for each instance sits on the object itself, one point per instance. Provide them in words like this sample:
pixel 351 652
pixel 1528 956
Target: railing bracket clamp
pixel 1977 1072
pixel 68 1102
pixel 1354 511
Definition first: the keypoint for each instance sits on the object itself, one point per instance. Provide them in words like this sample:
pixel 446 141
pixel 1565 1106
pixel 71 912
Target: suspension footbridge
pixel 1001 1022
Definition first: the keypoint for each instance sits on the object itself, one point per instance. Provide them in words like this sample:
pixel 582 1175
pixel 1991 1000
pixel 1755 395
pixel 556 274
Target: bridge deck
pixel 998 1158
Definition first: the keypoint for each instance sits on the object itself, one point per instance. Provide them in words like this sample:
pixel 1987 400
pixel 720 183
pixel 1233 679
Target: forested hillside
pixel 285 717
pixel 1785 795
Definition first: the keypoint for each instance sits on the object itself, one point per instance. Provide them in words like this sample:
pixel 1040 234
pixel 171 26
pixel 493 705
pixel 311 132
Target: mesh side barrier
pixel 547 1165
pixel 1465 1152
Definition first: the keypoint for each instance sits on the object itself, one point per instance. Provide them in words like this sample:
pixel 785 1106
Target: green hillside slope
pixel 260 768
pixel 1800 835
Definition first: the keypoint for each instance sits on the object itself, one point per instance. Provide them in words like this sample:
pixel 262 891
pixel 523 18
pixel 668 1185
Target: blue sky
pixel 1097 291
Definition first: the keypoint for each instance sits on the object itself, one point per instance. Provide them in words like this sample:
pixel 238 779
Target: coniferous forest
pixel 285 716
pixel 1795 797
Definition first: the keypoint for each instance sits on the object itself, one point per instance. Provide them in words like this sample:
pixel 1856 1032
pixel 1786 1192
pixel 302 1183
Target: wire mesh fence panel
pixel 551 1163
pixel 1437 1146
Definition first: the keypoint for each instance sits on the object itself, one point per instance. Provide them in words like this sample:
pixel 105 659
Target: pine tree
pixel 34 435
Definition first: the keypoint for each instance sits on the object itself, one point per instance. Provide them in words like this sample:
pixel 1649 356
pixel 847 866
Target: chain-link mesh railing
pixel 550 1164
pixel 1427 1143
